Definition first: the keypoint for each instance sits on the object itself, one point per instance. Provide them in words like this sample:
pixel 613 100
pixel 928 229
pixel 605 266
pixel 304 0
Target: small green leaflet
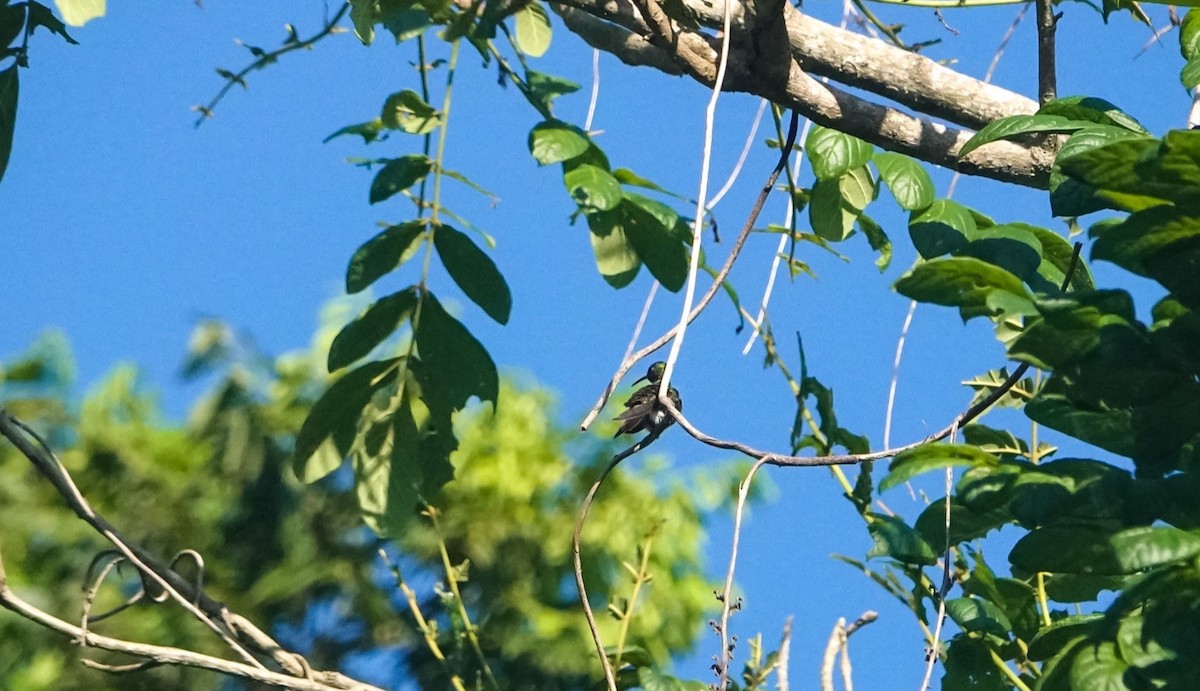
pixel 554 142
pixel 381 254
pixel 371 328
pixel 533 29
pixel 398 175
pixel 474 272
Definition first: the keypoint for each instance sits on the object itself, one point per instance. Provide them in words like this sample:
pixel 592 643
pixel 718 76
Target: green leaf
pixel 381 254
pixel 554 142
pixel 372 327
pixel 1145 547
pixel 1106 428
pixel 969 667
pixel 1056 259
pixel 406 110
pixel 455 360
pixel 858 189
pixel 364 14
pixel 1071 327
pixel 965 523
pixel 592 187
pixel 1072 197
pixel 1017 125
pixel 908 180
pixel 1162 243
pixel 978 615
pixel 616 259
pixel 1066 549
pixel 1011 246
pixel 962 282
pixel 1051 639
pixel 1099 667
pixel 834 153
pixel 80 12
pixel 542 88
pixel 533 29
pixel 648 228
pixel 1092 109
pixel 1189 35
pixel 474 272
pixel 334 416
pixel 398 175
pixel 652 680
pixel 827 211
pixel 942 228
pixel 8 113
pixel 369 131
pixel 878 240
pixel 1189 76
pixel 927 457
pixel 894 538
pixel 12 23
pixel 1139 173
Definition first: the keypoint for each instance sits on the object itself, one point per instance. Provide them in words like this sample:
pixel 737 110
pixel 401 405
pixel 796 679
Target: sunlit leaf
pixel 554 142
pixel 334 416
pixel 533 29
pixel 908 180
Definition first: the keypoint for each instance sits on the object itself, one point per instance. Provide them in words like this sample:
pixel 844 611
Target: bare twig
pixel 947 583
pixel 264 58
pixel 609 677
pixel 838 643
pixel 712 289
pixel 737 167
pixel 162 655
pixel 1047 64
pixel 726 597
pixel 785 653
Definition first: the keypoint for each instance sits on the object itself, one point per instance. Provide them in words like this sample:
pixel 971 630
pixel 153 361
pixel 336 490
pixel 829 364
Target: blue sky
pixel 123 224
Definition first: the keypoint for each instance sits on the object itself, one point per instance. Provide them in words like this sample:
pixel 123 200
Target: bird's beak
pixel 641 379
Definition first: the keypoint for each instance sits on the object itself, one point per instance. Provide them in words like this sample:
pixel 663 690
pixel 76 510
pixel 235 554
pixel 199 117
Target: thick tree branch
pixel 776 52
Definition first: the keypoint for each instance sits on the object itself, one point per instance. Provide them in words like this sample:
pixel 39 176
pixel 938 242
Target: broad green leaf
pixel 406 21
pixel 398 175
pixel 1189 76
pixel 1099 667
pixel 858 189
pixel 627 177
pixel 1017 125
pixel 1056 259
pixel 1138 173
pixel 542 88
pixel 943 227
pixel 1010 246
pixel 12 23
pixel 364 14
pixel 965 523
pixel 827 211
pixel 1162 243
pixel 406 110
pixel 1067 549
pixel 533 29
pixel 1149 546
pixel 652 680
pixel 648 228
pixel 369 131
pixel 927 457
pixel 1106 428
pixel 456 362
pixel 1055 637
pixel 969 667
pixel 80 12
pixel 908 180
pixel 372 327
pixel 335 415
pixel 592 187
pixel 1092 109
pixel 896 539
pixel 474 272
pixel 978 615
pixel 1071 327
pixel 1189 35
pixel 961 282
pixel 8 113
pixel 1072 197
pixel 554 142
pixel 381 254
pixel 616 259
pixel 834 153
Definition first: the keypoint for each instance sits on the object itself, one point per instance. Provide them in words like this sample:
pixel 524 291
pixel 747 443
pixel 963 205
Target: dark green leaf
pixel 554 142
pixel 381 254
pixel 653 680
pixel 834 153
pixel 1149 546
pixel 1073 197
pixel 8 113
pixel 1067 549
pixel 969 667
pixel 542 88
pixel 961 282
pixel 878 240
pixel 1056 259
pixel 908 180
pixel 944 227
pixel 398 175
pixel 1162 243
pixel 1071 327
pixel 1017 125
pixel 474 272
pixel 965 524
pixel 12 23
pixel 926 457
pixel 335 415
pixel 457 363
pixel 975 614
pixel 648 228
pixel 592 187
pixel 1092 109
pixel 894 538
pixel 827 211
pixel 40 15
pixel 371 328
pixel 1011 246
pixel 1140 173
pixel 1107 428
pixel 1189 76
pixel 1054 638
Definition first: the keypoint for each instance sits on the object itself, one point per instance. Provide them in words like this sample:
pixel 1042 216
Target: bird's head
pixel 655 374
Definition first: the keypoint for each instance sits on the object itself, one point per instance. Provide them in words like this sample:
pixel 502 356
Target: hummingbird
pixel 643 411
